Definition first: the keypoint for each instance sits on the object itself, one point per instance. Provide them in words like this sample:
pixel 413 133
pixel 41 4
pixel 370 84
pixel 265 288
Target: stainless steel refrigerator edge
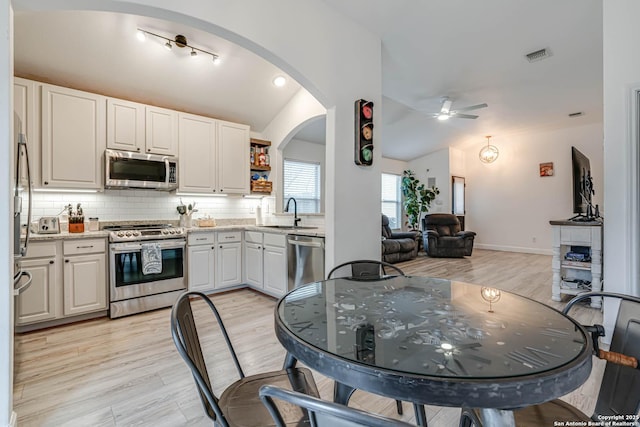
pixel 22 178
pixel 305 256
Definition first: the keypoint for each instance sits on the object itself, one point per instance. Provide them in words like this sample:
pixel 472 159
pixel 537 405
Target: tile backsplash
pixel 126 205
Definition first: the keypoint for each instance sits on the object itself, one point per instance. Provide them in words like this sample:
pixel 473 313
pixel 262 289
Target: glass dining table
pixel 435 342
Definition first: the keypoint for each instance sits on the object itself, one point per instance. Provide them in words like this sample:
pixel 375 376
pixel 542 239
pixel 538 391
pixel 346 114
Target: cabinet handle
pixel 46 183
pixel 138 149
pixel 220 246
pixel 201 238
pixel 84 247
pixel 148 149
pixel 213 247
pixel 66 260
pixel 51 262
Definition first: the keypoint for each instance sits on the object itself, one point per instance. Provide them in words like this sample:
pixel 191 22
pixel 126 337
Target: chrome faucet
pixel 296 220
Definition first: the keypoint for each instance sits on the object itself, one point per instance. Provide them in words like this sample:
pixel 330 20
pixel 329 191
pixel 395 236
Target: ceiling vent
pixel 577 114
pixel 538 55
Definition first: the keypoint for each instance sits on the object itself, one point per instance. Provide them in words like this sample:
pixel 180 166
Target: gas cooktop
pixel 133 232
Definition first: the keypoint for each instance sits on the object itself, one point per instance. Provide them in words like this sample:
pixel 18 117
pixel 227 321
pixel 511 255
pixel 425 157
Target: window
pixel 392 199
pixel 302 182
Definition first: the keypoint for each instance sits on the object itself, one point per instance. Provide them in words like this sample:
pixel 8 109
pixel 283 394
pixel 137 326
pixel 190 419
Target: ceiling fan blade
pixel 463 116
pixel 473 107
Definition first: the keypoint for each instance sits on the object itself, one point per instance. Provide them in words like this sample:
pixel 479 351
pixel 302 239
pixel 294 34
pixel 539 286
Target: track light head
pixel 168 45
pixel 193 53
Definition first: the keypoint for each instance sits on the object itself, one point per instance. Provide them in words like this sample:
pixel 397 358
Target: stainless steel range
pixel 132 291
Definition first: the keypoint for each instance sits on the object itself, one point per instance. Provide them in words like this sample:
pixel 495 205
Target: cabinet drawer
pixel 253 236
pixel 195 239
pixel 279 240
pixel 84 246
pixel 230 236
pixel 575 235
pixel 41 250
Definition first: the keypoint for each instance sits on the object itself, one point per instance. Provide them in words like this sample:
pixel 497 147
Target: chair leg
pixel 399 407
pixel 421 416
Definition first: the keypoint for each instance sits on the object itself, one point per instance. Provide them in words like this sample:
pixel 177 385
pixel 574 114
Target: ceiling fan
pixel 446 112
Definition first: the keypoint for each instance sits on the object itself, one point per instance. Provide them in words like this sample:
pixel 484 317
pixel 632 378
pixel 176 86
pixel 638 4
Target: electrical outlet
pixel 534 239
pixel 252 210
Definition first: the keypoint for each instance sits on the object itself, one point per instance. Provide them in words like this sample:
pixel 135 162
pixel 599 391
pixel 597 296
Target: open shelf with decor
pixel 577 259
pixel 260 165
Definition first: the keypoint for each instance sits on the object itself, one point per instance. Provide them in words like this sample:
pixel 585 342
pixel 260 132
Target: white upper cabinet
pixel 73 138
pixel 140 128
pixel 233 155
pixel 197 154
pixel 25 121
pixel 161 131
pixel 125 125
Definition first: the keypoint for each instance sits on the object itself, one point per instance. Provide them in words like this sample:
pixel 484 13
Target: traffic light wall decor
pixel 364 133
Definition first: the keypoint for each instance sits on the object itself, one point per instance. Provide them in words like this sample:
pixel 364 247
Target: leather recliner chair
pixel 398 246
pixel 443 237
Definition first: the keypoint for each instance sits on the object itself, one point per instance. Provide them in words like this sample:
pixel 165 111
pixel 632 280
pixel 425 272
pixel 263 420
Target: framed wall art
pixel 546 169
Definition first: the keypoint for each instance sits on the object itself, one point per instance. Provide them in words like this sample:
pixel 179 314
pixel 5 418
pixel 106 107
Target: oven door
pixel 125 270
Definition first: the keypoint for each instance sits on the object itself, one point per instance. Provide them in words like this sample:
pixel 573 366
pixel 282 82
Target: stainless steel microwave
pixel 125 169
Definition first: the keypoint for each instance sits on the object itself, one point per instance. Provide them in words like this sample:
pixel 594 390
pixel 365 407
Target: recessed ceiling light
pixel 279 81
pixel 216 60
pixel 443 117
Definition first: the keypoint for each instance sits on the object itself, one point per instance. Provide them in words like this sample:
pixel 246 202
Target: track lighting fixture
pixel 180 41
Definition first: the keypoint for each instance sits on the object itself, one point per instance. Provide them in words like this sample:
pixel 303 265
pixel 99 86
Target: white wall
pixel 509 205
pixel 621 75
pixel 6 217
pixel 306 151
pixel 393 166
pixel 435 165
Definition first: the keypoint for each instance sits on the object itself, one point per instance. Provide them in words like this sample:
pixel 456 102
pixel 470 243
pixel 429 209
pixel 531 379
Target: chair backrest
pixel 386 230
pixel 321 412
pixel 443 224
pixel 185 337
pixel 366 269
pixel 620 388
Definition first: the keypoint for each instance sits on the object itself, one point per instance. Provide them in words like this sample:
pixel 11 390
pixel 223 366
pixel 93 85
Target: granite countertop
pixel 36 237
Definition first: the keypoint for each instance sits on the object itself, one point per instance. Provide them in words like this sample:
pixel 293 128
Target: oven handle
pixel 117 248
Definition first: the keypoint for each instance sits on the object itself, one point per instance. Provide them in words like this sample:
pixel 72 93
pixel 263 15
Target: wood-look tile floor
pixel 126 372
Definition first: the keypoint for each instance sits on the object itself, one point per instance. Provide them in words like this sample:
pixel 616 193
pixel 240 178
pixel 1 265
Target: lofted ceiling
pixel 472 52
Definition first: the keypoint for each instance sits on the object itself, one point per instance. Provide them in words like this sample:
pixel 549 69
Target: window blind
pixel 302 182
pixel 391 199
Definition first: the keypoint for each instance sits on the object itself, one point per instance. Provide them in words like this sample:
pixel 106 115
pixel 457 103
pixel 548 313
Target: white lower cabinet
pixel 201 261
pixel 79 288
pixel 266 262
pixel 229 259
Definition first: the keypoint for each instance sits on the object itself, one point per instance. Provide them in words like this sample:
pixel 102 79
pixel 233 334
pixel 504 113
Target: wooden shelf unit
pixel 263 187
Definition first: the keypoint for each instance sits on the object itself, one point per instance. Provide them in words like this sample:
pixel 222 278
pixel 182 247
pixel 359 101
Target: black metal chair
pixel 365 269
pixel 620 389
pixel 322 413
pixel 239 404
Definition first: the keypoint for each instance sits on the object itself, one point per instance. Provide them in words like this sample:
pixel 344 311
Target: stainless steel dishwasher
pixel 305 259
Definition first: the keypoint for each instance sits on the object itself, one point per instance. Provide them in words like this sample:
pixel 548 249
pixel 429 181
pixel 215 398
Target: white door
pixel 229 265
pixel 37 302
pixel 253 264
pixel 233 158
pixel 125 125
pixel 275 270
pixel 197 143
pixel 161 134
pixel 201 267
pixel 85 284
pixel 73 138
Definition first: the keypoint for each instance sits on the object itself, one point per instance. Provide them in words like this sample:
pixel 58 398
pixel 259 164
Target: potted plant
pixel 416 198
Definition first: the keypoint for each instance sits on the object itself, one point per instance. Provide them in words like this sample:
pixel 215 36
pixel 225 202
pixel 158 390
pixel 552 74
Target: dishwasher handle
pixel 305 243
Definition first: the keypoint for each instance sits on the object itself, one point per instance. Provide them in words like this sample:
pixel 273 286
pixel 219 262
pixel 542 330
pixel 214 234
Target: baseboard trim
pixel 536 251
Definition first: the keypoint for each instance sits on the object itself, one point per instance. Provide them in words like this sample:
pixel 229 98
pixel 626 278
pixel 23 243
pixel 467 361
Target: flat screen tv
pixel 582 186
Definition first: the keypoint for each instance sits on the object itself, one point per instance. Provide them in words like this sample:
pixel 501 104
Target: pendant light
pixel 489 153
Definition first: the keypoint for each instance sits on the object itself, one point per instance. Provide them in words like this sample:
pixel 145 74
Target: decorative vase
pixel 185 220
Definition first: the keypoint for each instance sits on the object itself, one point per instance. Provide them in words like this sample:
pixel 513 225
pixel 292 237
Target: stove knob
pixel 137 233
pixel 164 232
pixel 120 234
pixel 128 234
pixel 179 231
pixel 172 231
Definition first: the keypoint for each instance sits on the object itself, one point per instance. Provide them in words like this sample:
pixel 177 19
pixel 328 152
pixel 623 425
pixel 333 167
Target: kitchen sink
pixel 290 227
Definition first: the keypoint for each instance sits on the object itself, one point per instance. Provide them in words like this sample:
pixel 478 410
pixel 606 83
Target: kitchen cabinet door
pixel 275 270
pixel 85 284
pixel 26 110
pixel 125 125
pixel 233 155
pixel 38 302
pixel 161 131
pixel 228 264
pixel 197 144
pixel 253 264
pixel 201 262
pixel 73 138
